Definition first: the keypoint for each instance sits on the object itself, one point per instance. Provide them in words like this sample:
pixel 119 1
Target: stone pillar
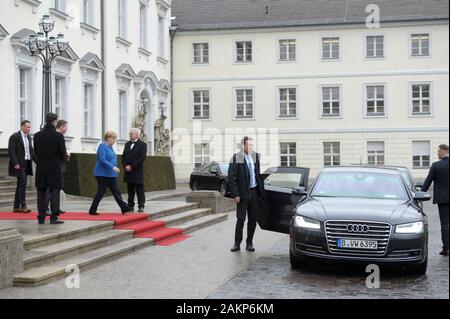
pixel 11 256
pixel 213 200
pixel 4 163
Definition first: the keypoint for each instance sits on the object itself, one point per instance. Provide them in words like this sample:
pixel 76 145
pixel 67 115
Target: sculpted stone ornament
pixel 162 137
pixel 140 124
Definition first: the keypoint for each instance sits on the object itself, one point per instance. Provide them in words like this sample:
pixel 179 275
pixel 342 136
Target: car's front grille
pixel 380 232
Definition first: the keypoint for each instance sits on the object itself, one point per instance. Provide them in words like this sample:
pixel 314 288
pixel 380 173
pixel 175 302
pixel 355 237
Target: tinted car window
pixel 284 180
pixel 205 168
pixel 359 185
pixel 224 168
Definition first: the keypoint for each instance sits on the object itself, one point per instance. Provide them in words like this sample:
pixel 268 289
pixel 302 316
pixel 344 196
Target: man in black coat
pixel 439 175
pixel 50 151
pixel 21 157
pixel 245 186
pixel 133 158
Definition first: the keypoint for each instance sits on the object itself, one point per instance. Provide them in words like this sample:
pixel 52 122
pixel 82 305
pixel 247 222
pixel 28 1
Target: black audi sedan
pixel 350 214
pixel 210 176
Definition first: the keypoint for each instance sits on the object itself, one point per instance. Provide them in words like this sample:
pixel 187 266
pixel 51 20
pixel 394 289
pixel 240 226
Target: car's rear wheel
pixel 223 188
pixel 421 269
pixel 296 262
pixel 195 186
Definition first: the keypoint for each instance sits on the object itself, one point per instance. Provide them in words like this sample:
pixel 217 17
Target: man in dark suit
pixel 439 175
pixel 133 158
pixel 21 156
pixel 50 151
pixel 245 186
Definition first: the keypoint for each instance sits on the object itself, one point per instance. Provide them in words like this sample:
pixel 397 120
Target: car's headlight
pixel 305 222
pixel 411 228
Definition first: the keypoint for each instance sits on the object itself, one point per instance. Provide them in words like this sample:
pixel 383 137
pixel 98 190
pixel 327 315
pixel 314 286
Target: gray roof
pixel 197 15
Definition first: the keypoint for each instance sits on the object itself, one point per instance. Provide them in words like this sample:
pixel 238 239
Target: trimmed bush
pixel 159 175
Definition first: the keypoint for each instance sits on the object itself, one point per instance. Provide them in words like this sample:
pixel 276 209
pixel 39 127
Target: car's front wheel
pixel 421 269
pixel 223 188
pixel 194 186
pixel 296 262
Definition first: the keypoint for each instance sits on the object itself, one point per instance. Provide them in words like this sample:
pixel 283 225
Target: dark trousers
pixel 42 202
pixel 139 190
pixel 48 197
pixel 21 189
pixel 443 214
pixel 103 184
pixel 246 207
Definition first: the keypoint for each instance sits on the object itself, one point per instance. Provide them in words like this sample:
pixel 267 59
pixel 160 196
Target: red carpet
pixel 140 223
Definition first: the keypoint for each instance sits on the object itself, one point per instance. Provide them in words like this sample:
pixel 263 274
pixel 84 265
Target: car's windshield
pixel 224 168
pixel 359 185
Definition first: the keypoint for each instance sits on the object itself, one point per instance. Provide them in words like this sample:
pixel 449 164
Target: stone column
pixel 11 256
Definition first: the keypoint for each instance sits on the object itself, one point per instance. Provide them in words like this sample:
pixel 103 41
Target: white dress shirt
pixel 26 145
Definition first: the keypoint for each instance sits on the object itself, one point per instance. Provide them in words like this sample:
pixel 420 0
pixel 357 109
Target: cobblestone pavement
pixel 271 276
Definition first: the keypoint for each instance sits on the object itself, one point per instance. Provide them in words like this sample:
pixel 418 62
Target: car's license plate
pixel 357 244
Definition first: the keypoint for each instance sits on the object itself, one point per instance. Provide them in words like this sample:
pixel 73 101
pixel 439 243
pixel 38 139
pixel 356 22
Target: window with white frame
pixel 201 53
pixel 375 100
pixel 201 104
pixel 143 16
pixel 161 36
pixel 420 44
pixel 375 153
pixel 244 51
pixel 421 154
pixel 332 153
pixel 122 18
pixel 420 99
pixel 123 127
pixel 375 46
pixel 59 96
pixel 202 154
pixel 60 5
pixel 330 48
pixel 331 101
pixel 244 102
pixel 88 110
pixel 88 12
pixel 288 154
pixel 287 102
pixel 23 94
pixel 288 50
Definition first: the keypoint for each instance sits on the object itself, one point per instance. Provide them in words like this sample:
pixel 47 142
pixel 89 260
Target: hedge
pixel 159 175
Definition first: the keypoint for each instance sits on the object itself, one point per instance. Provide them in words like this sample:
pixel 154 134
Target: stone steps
pixel 59 269
pixel 10 195
pixel 47 257
pixel 52 253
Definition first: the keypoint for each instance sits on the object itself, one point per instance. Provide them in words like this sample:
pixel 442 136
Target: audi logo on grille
pixel 358 228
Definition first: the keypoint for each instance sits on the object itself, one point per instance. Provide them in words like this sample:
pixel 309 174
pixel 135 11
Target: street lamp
pixel 46 48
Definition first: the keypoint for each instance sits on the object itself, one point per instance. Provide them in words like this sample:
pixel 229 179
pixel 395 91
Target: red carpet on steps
pixel 140 223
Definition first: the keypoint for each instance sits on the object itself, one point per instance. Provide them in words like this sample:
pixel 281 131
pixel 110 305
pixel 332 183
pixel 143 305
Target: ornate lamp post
pixel 47 48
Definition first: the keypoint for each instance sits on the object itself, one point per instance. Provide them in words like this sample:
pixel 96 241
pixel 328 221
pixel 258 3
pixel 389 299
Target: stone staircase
pixel 8 189
pixel 48 255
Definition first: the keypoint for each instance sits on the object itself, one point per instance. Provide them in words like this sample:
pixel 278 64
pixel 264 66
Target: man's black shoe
pixel 56 222
pixel 94 213
pixel 41 222
pixel 141 210
pixel 250 247
pixel 236 248
pixel 444 252
pixel 61 212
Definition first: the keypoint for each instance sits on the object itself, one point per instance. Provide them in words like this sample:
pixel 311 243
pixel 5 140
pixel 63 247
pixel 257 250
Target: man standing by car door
pixel 133 158
pixel 245 186
pixel 439 175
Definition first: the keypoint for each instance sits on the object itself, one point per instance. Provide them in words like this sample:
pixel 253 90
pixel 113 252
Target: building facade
pixel 115 75
pixel 313 90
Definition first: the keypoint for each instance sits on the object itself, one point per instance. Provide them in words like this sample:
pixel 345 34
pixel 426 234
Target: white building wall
pixel 18 14
pixel 351 72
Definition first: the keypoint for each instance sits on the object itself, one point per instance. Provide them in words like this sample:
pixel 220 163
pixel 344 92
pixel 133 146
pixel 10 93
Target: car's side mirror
pixel 214 171
pixel 422 196
pixel 299 190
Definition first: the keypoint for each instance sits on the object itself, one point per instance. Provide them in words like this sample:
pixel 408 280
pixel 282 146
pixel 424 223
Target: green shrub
pixel 159 175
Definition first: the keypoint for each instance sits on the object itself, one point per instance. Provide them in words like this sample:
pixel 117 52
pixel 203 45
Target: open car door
pixel 285 187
